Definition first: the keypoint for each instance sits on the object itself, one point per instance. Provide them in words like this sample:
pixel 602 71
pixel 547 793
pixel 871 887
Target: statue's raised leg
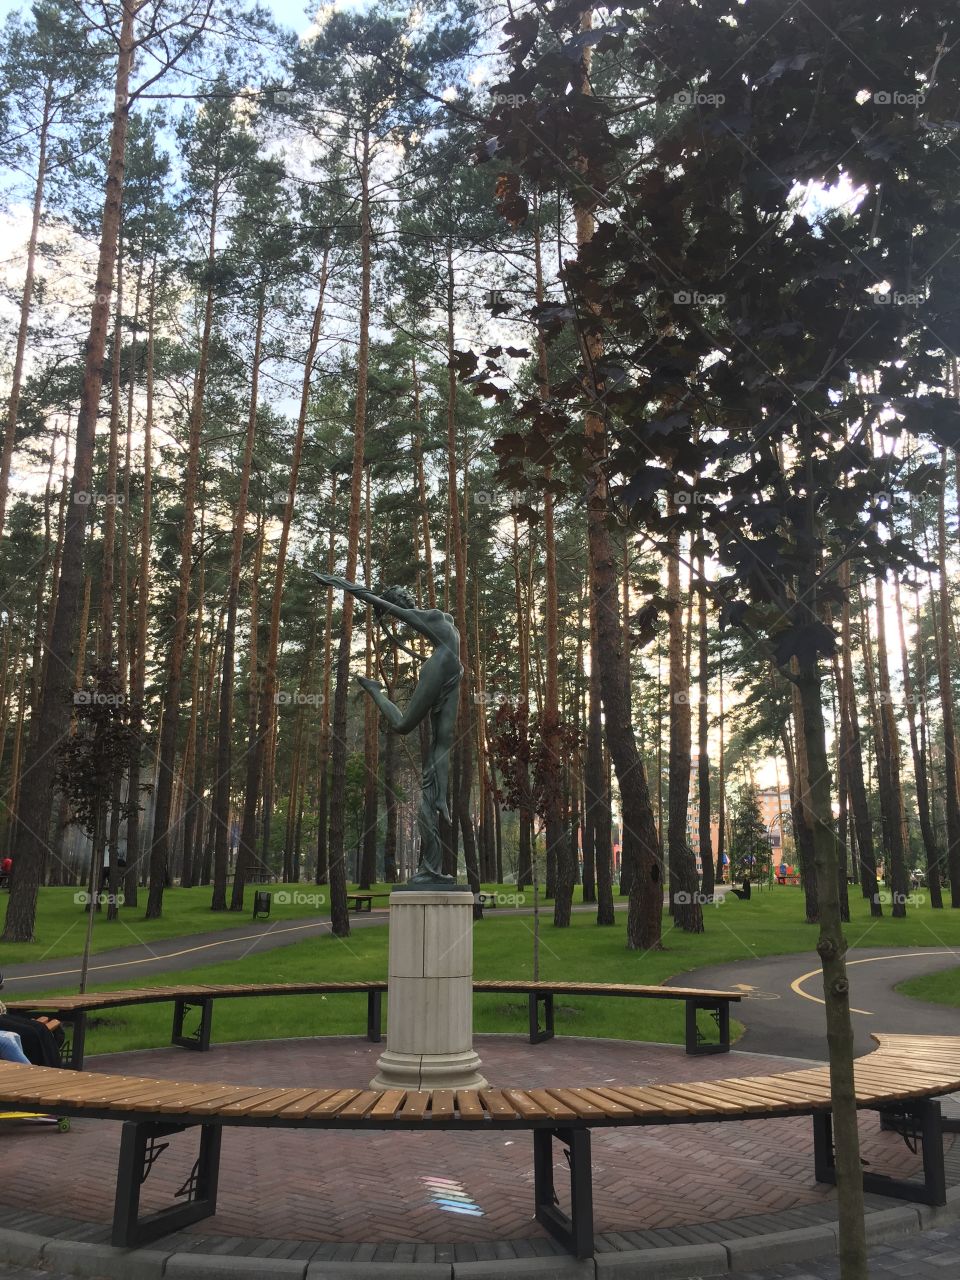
pixel 421 703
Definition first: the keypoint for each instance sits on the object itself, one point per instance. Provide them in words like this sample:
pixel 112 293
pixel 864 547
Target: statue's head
pixel 400 596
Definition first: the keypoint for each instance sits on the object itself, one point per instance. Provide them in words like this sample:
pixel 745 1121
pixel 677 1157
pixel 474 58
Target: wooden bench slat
pixel 709 1096
pixel 605 988
pixel 263 1100
pixel 389 1103
pixel 523 1104
pixel 213 1104
pixel 906 1080
pixel 574 1099
pixel 311 1099
pixel 286 1099
pixel 760 1099
pixel 946 1063
pixel 497 1105
pixel 619 1094
pixel 609 1106
pixel 903 1070
pixel 556 1109
pixel 415 1105
pixel 332 1104
pixel 442 1103
pixel 771 1091
pixel 151 1097
pixel 113 1090
pixel 667 1100
pixel 469 1105
pixel 362 1103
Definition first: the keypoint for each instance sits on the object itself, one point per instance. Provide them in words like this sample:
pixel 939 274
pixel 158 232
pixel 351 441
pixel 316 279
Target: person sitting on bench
pixel 38 1039
pixel 11 1048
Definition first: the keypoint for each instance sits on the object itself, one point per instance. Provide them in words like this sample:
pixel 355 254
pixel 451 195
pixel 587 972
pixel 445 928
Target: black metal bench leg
pixel 534 1000
pixel 576 1231
pixel 72 1053
pixel 918 1122
pixel 140 1149
pixel 200 1038
pixel 723 1023
pixel 823 1167
pixel 720 1011
pixel 374 1016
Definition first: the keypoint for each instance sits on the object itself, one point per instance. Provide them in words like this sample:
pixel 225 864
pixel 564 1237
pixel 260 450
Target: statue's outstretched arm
pixel 415 618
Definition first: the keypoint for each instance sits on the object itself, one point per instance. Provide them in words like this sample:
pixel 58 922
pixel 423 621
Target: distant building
pixel 693 829
pixel 774 810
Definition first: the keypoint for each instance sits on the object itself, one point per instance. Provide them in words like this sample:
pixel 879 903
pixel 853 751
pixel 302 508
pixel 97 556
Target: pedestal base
pixel 428 1071
pixel 430 993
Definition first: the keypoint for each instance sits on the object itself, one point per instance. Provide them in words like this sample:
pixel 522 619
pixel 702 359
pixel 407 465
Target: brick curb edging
pixel 680 1262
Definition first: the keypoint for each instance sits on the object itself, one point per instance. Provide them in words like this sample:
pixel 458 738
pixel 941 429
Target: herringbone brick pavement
pixel 374 1186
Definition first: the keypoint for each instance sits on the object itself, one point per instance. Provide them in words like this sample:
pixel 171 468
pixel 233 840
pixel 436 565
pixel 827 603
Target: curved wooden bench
pixel 72 1010
pixel 900 1079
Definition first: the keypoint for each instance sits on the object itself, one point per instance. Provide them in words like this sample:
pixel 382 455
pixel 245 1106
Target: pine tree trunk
pixel 463 776
pixel 371 724
pixel 105 634
pixel 721 781
pixel 221 790
pixel 265 708
pixel 598 817
pixel 191 762
pixel 524 813
pixel 391 747
pixel 170 717
pixel 323 754
pixel 26 299
pixel 803 818
pixel 37 790
pixel 686 909
pixel 339 916
pixel 581 829
pixel 920 776
pixel 950 763
pixel 140 640
pixel 704 835
pixel 853 755
pixel 890 787
pixel 640 845
pixel 831 948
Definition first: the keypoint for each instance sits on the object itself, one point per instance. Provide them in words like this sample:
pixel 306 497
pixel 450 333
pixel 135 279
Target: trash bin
pixel 261 903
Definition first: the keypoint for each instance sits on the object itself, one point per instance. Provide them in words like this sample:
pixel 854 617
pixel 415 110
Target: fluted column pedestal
pixel 430 993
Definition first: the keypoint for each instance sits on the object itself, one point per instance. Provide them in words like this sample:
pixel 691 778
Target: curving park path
pixel 134 963
pixel 782 1006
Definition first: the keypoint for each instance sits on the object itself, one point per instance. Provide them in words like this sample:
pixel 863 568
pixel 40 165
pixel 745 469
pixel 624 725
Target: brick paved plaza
pixel 379 1187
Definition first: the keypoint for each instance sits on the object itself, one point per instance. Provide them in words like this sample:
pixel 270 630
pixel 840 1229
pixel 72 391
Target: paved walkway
pixel 170 955
pixel 934 1255
pixel 782 1007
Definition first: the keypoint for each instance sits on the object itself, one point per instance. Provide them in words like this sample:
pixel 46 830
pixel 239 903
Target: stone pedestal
pixel 430 993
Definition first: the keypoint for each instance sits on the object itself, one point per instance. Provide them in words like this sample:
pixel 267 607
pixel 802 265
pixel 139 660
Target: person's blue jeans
pixel 11 1049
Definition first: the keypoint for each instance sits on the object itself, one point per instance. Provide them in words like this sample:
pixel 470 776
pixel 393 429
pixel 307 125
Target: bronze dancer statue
pixel 437 695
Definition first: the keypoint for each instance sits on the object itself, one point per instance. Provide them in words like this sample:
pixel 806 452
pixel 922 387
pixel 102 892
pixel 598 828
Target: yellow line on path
pixel 797 983
pixel 186 951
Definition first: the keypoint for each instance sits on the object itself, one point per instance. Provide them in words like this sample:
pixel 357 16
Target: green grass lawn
pixel 937 988
pixel 62 920
pixel 770 924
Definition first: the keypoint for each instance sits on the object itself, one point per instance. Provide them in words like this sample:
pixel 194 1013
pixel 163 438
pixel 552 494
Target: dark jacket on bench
pixel 39 1043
